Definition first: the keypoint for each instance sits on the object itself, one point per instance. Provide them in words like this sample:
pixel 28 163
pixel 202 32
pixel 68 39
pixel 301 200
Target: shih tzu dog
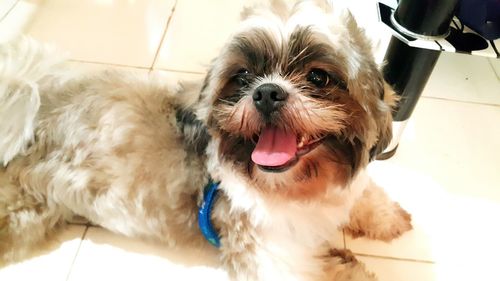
pixel 265 159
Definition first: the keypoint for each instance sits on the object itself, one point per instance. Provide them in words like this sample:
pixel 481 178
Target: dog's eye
pixel 321 78
pixel 242 77
pixel 318 77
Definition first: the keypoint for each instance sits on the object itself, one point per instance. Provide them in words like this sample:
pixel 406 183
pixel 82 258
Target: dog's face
pixel 295 100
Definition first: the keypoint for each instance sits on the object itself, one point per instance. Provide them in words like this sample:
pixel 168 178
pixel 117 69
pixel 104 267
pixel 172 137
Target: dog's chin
pixel 303 149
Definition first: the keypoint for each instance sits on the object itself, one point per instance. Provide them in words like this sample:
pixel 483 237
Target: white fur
pixel 291 234
pixel 23 66
pixel 277 79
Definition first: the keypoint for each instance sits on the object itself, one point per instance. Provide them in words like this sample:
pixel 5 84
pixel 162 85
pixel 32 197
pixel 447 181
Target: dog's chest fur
pixel 291 235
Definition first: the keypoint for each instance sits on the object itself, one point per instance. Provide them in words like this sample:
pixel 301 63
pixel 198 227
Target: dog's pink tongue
pixel 275 147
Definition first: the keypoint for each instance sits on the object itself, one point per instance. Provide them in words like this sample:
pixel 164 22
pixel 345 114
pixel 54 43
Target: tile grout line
pixel 182 71
pixel 82 238
pixel 136 67
pixel 460 101
pixel 109 64
pixel 493 68
pixel 163 36
pixel 394 258
pixel 10 10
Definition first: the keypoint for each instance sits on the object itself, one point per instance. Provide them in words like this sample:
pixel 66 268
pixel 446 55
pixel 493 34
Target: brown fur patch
pixel 313 182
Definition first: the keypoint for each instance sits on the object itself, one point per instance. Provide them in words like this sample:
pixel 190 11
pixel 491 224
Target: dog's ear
pixel 369 87
pixel 384 122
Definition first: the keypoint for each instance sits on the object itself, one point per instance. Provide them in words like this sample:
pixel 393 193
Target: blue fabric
pixel 482 16
pixel 204 221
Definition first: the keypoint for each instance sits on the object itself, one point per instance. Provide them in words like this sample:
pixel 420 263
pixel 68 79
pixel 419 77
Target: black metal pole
pixel 407 69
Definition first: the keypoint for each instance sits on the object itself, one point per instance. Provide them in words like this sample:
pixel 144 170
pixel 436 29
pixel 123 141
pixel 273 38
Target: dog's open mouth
pixel 277 150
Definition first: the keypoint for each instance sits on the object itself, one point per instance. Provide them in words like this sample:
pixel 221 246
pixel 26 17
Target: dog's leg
pixel 248 257
pixel 238 250
pixel 345 267
pixel 240 263
pixel 375 216
pixel 25 221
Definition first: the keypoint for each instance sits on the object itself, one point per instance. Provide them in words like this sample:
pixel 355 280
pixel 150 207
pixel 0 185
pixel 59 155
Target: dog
pixel 265 158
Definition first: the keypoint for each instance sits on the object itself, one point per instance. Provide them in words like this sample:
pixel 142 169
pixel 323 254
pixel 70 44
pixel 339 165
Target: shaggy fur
pixel 132 154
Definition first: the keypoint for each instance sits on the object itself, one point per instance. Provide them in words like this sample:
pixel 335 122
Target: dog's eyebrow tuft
pixel 305 47
pixel 259 49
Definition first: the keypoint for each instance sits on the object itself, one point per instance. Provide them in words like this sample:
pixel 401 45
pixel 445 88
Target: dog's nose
pixel 269 97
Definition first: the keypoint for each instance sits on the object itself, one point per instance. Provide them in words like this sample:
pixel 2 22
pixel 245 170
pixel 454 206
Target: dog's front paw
pixel 401 223
pixel 376 216
pixel 386 224
pixel 347 268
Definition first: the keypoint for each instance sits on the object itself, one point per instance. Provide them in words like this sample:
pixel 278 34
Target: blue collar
pixel 204 212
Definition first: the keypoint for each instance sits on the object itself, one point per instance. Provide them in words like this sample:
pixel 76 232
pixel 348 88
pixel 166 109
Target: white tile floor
pixel 446 171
